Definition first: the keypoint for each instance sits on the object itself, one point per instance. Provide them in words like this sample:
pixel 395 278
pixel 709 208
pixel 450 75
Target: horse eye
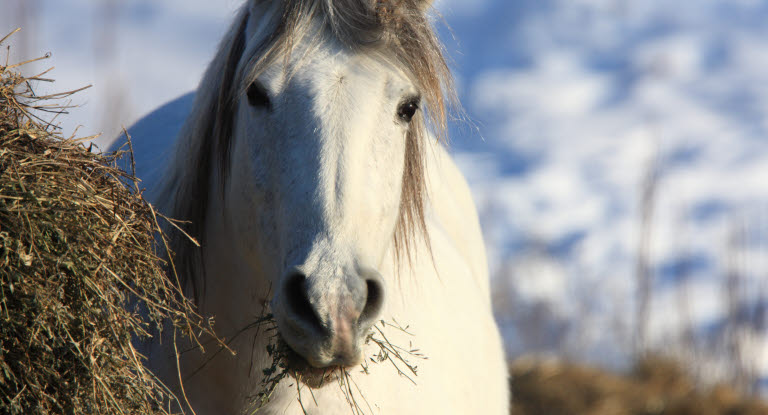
pixel 407 109
pixel 257 96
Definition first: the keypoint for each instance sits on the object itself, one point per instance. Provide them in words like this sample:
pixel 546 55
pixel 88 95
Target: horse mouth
pixel 313 377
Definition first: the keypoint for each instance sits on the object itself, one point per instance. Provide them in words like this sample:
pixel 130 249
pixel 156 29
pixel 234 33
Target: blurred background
pixel 617 151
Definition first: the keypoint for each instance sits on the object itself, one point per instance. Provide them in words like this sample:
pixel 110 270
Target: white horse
pixel 307 174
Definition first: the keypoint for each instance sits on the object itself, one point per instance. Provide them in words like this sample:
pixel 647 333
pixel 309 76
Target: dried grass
pixel 80 270
pixel 656 386
pixel 283 367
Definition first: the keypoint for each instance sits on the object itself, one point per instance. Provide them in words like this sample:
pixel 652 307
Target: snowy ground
pixel 584 110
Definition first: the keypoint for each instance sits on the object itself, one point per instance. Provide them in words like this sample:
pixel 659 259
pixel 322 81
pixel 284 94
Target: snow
pixel 596 97
pixel 577 104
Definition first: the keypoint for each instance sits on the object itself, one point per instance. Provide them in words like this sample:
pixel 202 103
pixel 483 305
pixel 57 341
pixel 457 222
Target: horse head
pixel 307 143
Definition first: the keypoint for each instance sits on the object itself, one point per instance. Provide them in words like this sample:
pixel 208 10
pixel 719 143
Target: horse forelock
pixel 398 29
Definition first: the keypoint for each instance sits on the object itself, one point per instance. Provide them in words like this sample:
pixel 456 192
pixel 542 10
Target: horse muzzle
pixel 325 317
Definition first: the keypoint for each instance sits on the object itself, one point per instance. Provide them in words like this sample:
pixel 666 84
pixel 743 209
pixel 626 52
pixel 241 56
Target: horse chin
pixel 313 377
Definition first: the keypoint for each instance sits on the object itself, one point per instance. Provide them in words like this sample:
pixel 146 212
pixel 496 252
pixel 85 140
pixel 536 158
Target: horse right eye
pixel 257 96
pixel 408 109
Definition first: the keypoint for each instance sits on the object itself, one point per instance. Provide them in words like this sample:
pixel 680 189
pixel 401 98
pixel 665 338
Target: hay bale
pixel 78 261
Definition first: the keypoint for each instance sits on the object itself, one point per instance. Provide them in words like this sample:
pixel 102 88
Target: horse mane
pixel 399 29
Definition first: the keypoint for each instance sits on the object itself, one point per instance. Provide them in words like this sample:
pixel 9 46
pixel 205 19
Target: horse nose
pixel 326 320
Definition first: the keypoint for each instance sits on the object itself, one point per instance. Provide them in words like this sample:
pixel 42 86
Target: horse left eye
pixel 257 96
pixel 407 109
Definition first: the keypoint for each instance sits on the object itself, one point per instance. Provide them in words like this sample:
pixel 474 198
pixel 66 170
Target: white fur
pixel 316 183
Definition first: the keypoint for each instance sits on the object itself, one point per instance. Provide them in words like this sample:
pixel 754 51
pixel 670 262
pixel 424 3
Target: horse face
pixel 316 178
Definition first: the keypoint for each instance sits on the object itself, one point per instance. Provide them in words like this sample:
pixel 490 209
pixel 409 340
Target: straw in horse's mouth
pixel 286 362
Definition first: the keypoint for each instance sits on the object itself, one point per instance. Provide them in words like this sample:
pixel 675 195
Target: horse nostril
pixel 298 301
pixel 373 301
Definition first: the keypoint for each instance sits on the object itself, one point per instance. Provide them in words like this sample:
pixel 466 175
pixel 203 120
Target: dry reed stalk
pixel 643 272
